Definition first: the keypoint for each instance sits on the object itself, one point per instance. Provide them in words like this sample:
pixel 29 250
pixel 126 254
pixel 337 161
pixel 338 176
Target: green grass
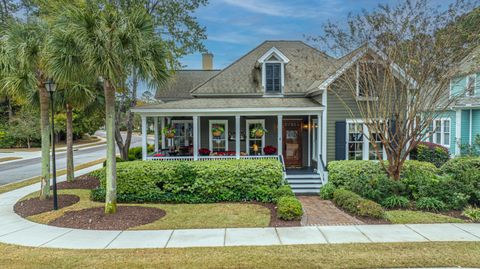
pixel 179 216
pixel 428 254
pixel 408 216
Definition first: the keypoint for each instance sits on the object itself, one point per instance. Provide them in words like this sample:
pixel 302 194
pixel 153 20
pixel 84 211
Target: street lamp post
pixel 51 86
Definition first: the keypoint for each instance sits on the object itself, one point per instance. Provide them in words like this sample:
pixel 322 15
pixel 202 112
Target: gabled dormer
pixel 273 71
pixel 465 86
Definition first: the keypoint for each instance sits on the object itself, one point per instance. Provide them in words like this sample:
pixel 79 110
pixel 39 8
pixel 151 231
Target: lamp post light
pixel 51 86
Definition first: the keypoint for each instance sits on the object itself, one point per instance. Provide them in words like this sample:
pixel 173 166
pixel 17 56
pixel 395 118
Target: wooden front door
pixel 292 143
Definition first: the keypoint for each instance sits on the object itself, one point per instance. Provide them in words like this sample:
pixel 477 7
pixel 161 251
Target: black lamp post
pixel 51 86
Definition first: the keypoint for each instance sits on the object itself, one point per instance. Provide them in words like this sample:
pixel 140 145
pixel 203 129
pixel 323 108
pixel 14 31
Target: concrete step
pixel 306 186
pixel 306 191
pixel 303 176
pixel 306 181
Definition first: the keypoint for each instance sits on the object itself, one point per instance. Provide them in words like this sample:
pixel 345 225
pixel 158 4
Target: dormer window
pixel 273 71
pixel 273 74
pixel 470 89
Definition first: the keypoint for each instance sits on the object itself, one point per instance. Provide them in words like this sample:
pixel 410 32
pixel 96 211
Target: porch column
pixel 155 132
pixel 280 134
pixel 195 138
pixel 458 131
pixel 237 136
pixel 144 137
pixel 162 125
pixel 309 141
pixel 169 122
pixel 319 143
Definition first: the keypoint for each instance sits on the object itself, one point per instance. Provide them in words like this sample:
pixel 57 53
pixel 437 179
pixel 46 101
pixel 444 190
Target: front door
pixel 292 143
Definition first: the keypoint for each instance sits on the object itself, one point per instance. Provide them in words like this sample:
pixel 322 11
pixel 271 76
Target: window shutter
pixel 340 140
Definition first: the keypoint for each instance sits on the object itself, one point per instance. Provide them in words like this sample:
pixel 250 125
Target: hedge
pixel 354 204
pixel 289 208
pixel 430 152
pixel 196 182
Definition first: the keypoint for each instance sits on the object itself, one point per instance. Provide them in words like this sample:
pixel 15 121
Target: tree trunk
pixel 10 109
pixel 70 167
pixel 45 132
pixel 111 178
pixel 125 146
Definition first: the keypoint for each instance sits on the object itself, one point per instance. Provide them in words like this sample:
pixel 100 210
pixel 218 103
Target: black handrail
pixel 322 164
pixel 280 158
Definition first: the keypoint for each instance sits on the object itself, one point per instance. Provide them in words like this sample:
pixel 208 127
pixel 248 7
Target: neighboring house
pixel 280 86
pixel 461 123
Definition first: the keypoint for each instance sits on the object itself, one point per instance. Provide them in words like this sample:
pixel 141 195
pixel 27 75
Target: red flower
pixel 204 152
pixel 270 150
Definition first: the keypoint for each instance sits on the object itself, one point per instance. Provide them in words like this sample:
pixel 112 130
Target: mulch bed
pixel 82 182
pixel 96 219
pixel 36 206
pixel 275 221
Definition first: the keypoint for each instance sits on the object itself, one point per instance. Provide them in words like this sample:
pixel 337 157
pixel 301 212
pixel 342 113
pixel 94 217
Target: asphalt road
pixel 22 169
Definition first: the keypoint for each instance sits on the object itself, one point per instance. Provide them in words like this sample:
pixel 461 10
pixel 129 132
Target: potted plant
pixel 258 131
pixel 204 152
pixel 217 131
pixel 169 131
pixel 270 150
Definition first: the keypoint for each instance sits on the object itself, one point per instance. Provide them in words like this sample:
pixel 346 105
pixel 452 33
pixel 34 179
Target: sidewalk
pixel 16 230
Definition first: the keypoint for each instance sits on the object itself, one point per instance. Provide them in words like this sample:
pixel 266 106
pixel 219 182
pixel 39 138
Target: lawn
pixel 179 216
pixel 408 216
pixel 302 256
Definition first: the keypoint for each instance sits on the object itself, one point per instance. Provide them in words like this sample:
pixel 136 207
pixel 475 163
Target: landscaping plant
pixel 354 204
pixel 289 208
pixel 327 190
pixel 396 201
pixel 430 204
pixel 472 213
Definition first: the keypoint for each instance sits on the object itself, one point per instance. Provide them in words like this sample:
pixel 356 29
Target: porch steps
pixel 305 183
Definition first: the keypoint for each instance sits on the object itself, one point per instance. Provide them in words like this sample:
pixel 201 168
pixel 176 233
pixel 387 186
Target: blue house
pixel 461 123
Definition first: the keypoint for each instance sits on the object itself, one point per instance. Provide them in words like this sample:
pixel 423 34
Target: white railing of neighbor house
pixel 284 170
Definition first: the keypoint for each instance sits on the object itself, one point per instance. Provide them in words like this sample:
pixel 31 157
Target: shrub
pixel 118 160
pixel 465 175
pixel 289 208
pixel 396 201
pixel 430 152
pixel 430 204
pixel 368 208
pixel 282 191
pixel 326 191
pixel 366 178
pixel 419 178
pixel 472 213
pixel 354 204
pixel 197 182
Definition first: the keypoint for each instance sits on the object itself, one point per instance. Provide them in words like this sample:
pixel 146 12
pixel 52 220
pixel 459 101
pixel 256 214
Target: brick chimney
pixel 207 61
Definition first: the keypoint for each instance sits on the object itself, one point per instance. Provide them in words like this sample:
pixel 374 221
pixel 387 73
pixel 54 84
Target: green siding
pixel 458 86
pixel 477 85
pixel 336 111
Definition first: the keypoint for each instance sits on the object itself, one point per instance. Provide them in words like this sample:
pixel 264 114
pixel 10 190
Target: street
pixel 23 169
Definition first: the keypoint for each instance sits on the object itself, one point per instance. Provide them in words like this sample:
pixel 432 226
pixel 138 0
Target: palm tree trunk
pixel 45 132
pixel 111 178
pixel 70 168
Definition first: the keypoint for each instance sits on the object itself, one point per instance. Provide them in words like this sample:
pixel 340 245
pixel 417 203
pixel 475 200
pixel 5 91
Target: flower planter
pixel 170 135
pixel 259 133
pixel 217 133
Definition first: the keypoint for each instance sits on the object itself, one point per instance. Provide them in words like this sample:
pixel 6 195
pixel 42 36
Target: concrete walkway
pixel 19 231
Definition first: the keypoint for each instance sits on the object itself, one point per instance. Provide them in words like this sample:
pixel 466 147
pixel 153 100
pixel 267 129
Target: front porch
pixel 292 134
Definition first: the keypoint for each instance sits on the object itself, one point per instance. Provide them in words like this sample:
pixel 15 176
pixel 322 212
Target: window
pixel 273 77
pixel 355 141
pixel 252 139
pixel 218 130
pixel 183 132
pixel 470 89
pixel 359 146
pixel 439 132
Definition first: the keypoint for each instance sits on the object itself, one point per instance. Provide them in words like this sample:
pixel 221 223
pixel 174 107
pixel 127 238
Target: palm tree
pixel 23 74
pixel 112 42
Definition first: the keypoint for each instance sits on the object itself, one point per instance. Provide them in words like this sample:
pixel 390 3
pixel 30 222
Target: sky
pixel 234 27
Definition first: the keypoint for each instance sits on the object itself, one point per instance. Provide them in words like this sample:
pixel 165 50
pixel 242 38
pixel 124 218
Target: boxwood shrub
pixel 430 152
pixel 289 208
pixel 354 204
pixel 195 182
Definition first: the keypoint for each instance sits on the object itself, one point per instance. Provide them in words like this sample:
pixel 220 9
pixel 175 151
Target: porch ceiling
pixel 234 106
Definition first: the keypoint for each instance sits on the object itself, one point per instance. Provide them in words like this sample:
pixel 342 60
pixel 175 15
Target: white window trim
pixel 282 77
pixel 210 141
pixel 283 60
pixel 314 137
pixel 474 78
pixel 247 125
pixel 442 132
pixel 366 142
pixel 173 122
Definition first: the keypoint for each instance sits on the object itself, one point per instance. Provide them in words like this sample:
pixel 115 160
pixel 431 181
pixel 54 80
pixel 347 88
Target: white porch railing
pixel 206 158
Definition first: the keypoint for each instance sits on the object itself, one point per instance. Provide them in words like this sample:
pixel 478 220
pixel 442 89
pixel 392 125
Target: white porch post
pixel 309 142
pixel 144 137
pixel 162 125
pixel 323 141
pixel 280 134
pixel 195 138
pixel 319 143
pixel 155 132
pixel 458 131
pixel 169 122
pixel 237 136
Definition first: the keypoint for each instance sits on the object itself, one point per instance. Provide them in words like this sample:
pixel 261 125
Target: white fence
pixel 207 158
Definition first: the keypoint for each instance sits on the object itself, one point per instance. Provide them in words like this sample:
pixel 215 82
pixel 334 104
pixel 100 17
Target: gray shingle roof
pixel 213 103
pixel 468 65
pixel 182 82
pixel 243 77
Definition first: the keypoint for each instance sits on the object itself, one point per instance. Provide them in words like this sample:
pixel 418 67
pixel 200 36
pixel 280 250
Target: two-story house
pixel 281 87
